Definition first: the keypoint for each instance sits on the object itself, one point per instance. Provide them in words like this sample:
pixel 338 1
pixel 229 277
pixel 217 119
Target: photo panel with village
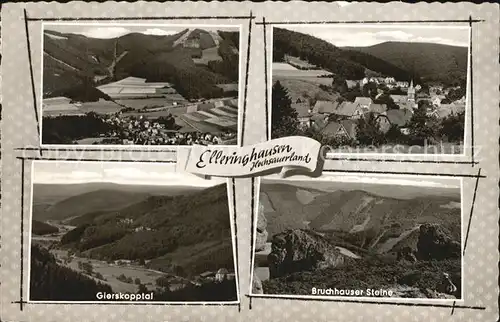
pixel 358 236
pixel 129 232
pixel 129 84
pixel 372 89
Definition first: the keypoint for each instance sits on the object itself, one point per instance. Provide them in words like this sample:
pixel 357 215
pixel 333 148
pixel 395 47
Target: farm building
pixel 365 102
pixel 446 110
pixel 394 117
pixel 344 128
pixel 325 107
pixel 303 113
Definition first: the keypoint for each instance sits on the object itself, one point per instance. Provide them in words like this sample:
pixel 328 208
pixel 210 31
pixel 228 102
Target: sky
pixel 106 31
pixel 117 172
pixel 369 35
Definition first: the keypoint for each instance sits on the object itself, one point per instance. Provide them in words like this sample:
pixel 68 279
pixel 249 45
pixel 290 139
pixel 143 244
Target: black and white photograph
pixel 121 232
pixel 140 84
pixel 358 236
pixel 373 89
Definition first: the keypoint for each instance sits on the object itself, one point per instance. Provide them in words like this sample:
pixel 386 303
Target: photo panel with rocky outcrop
pixel 358 236
pixel 142 84
pixel 373 89
pixel 122 232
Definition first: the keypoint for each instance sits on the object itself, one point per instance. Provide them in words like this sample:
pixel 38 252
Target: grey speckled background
pixel 19 130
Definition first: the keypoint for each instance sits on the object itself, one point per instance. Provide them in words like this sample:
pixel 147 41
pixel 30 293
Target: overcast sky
pixel 106 31
pixel 368 35
pixel 117 172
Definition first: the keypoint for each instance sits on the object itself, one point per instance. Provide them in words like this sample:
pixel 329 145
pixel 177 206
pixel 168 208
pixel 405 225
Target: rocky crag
pixel 298 250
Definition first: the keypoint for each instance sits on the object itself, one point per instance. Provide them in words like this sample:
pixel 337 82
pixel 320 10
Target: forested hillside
pixel 347 63
pixel 163 229
pixel 51 281
pixel 432 62
pixel 74 63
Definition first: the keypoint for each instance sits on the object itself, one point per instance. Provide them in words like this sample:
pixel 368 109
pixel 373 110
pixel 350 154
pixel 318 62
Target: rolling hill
pixel 75 64
pixel 359 218
pixel 428 60
pixel 40 228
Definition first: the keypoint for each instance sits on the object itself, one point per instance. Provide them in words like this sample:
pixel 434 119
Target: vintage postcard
pixel 247 161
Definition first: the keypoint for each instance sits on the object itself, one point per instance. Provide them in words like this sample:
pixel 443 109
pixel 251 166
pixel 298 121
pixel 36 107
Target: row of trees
pixel 66 129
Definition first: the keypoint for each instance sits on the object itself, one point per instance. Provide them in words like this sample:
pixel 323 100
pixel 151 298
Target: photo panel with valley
pixel 129 84
pixel 372 89
pixel 359 236
pixel 129 232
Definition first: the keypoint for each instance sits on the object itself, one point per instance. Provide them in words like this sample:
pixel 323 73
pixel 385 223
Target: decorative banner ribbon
pixel 227 161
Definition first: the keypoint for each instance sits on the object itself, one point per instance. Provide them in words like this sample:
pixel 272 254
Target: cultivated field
pixel 110 272
pixel 100 107
pixel 283 66
pixel 300 63
pixel 287 70
pixel 208 55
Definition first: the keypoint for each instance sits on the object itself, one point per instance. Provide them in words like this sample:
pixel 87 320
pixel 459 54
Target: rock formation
pixel 261 236
pixel 435 242
pixel 257 285
pixel 301 250
pixel 445 285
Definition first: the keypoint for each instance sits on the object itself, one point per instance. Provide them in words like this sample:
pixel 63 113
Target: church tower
pixel 411 96
pixel 411 92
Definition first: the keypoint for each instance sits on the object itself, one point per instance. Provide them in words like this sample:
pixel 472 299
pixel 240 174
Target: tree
pixel 370 90
pixel 137 281
pixel 142 289
pixel 339 84
pixel 368 131
pixel 388 101
pixel 422 128
pixel 394 135
pixel 284 118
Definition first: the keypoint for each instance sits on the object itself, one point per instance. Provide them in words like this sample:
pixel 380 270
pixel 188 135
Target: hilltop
pixel 357 218
pixel 75 64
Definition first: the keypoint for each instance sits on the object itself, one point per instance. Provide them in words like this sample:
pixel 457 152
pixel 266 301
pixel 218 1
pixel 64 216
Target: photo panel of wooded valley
pixel 373 89
pixel 359 236
pixel 121 232
pixel 140 84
